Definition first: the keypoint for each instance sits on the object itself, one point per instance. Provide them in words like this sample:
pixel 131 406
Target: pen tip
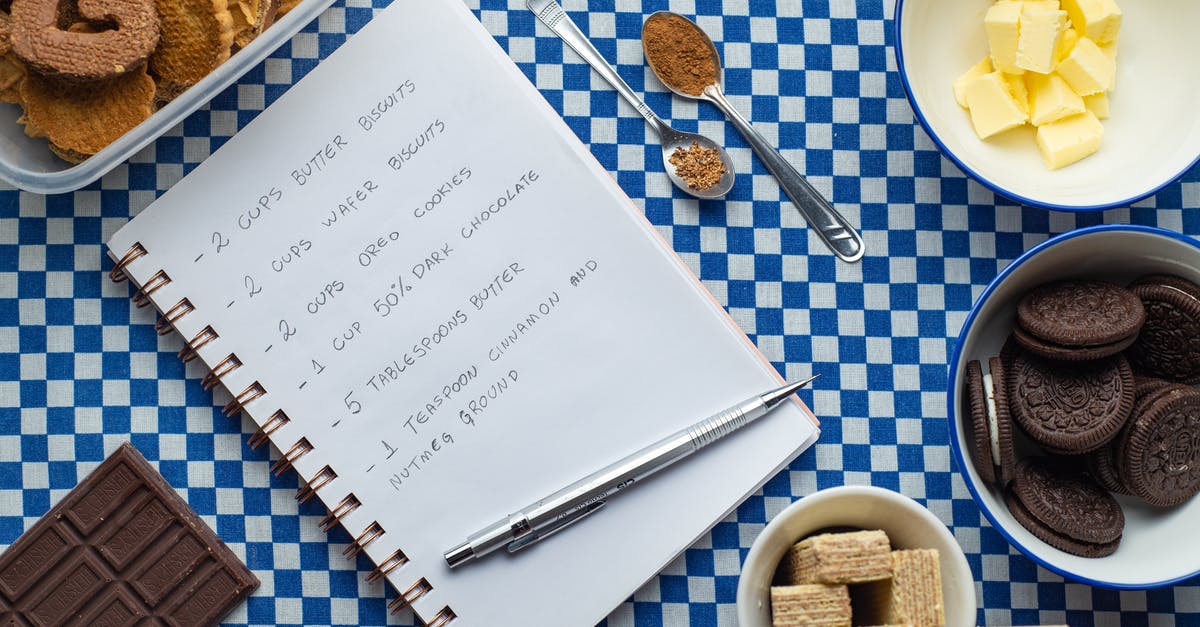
pixel 778 395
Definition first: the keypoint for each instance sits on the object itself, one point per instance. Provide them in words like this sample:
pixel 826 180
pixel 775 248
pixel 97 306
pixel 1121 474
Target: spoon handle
pixel 550 13
pixel 831 227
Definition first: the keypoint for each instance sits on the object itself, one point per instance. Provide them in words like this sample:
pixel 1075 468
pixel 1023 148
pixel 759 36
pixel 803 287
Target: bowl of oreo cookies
pixel 1074 416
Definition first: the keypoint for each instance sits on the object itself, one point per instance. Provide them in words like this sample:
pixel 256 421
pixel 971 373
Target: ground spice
pixel 679 54
pixel 699 167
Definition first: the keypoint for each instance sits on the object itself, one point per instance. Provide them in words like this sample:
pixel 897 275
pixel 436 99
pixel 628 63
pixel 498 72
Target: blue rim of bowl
pixel 952 385
pixel 912 101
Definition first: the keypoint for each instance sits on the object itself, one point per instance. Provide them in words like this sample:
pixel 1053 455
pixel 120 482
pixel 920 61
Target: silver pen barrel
pixel 582 497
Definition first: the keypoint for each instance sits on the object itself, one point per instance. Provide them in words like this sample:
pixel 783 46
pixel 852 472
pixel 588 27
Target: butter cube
pixel 1068 140
pixel 1097 104
pixel 960 85
pixel 1002 24
pixel 1037 41
pixel 1018 90
pixel 1040 5
pixel 1098 20
pixel 1087 69
pixel 1066 44
pixel 993 109
pixel 1051 99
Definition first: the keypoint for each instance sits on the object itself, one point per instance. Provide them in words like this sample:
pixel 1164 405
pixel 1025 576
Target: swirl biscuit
pixel 82 119
pixel 127 36
pixel 197 36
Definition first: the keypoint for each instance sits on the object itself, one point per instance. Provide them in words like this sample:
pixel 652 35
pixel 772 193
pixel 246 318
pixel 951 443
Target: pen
pixel 570 504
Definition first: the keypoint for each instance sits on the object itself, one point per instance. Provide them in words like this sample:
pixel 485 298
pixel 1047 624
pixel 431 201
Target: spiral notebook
pixel 421 288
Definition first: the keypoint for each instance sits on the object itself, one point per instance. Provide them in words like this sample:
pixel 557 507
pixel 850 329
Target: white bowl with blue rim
pixel 906 522
pixel 1151 138
pixel 1158 547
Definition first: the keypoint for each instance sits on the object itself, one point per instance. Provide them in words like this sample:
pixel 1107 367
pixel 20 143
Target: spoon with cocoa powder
pixel 694 163
pixel 686 61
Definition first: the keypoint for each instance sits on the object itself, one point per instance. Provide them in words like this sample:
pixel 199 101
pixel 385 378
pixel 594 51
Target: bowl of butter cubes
pixel 858 555
pixel 1073 105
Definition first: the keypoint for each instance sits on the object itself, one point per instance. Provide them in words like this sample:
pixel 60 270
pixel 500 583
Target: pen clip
pixel 574 517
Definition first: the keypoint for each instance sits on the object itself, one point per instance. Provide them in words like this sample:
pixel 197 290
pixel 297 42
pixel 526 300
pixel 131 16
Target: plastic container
pixel 28 163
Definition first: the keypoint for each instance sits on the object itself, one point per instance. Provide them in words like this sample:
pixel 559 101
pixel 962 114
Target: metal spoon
pixel 553 16
pixel 833 229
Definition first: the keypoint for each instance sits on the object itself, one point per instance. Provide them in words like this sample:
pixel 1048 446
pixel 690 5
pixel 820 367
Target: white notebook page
pixel 461 311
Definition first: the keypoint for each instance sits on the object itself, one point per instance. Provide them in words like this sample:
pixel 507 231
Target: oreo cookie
pixel 1069 353
pixel 1070 512
pixel 1075 409
pixel 1159 457
pixel 1169 344
pixel 991 423
pixel 976 405
pixel 1081 314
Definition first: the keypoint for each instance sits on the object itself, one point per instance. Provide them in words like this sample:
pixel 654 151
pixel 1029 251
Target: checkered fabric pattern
pixel 82 370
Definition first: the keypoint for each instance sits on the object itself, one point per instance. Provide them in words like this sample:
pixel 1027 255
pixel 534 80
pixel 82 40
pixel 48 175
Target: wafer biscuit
pixel 810 605
pixel 831 558
pixel 913 595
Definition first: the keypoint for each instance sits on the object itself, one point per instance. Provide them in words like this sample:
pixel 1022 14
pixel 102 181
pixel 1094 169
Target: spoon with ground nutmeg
pixel 686 61
pixel 694 163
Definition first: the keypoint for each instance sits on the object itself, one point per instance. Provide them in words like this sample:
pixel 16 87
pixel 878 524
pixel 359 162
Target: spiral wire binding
pixel 393 561
pixel 443 617
pixel 335 515
pixel 239 402
pixel 226 366
pixel 260 437
pixel 141 297
pixel 165 324
pixel 320 480
pixel 191 349
pixel 369 535
pixel 420 588
pixel 117 274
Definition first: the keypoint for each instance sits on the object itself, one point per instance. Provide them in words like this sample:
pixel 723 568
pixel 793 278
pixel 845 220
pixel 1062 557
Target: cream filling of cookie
pixel 989 390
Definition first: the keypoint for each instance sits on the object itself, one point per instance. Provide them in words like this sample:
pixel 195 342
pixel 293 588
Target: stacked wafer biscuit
pixel 855 578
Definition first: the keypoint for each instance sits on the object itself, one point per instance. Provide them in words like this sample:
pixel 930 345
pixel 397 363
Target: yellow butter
pixel 1110 51
pixel 1018 90
pixel 960 84
pixel 1068 140
pixel 1051 99
pixel 1097 104
pixel 993 108
pixel 1098 20
pixel 1042 5
pixel 1066 44
pixel 1039 34
pixel 1087 69
pixel 1002 24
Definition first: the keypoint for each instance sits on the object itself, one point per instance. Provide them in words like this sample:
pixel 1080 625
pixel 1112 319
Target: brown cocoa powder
pixel 679 53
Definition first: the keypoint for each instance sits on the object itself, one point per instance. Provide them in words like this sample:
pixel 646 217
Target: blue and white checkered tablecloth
pixel 82 370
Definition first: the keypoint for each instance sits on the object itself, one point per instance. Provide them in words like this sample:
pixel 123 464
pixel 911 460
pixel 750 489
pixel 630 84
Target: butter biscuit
pixel 196 38
pixel 12 73
pixel 250 19
pixel 128 33
pixel 81 119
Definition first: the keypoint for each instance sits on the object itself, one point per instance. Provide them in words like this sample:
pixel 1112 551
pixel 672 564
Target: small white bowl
pixel 1155 549
pixel 907 523
pixel 1152 138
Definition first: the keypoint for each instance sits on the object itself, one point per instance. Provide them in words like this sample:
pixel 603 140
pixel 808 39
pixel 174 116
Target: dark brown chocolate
pixel 120 547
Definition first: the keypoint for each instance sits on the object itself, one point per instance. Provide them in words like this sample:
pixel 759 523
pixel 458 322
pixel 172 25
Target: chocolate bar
pixel 121 547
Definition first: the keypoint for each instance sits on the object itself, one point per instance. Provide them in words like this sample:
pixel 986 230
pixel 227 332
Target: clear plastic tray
pixel 29 164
